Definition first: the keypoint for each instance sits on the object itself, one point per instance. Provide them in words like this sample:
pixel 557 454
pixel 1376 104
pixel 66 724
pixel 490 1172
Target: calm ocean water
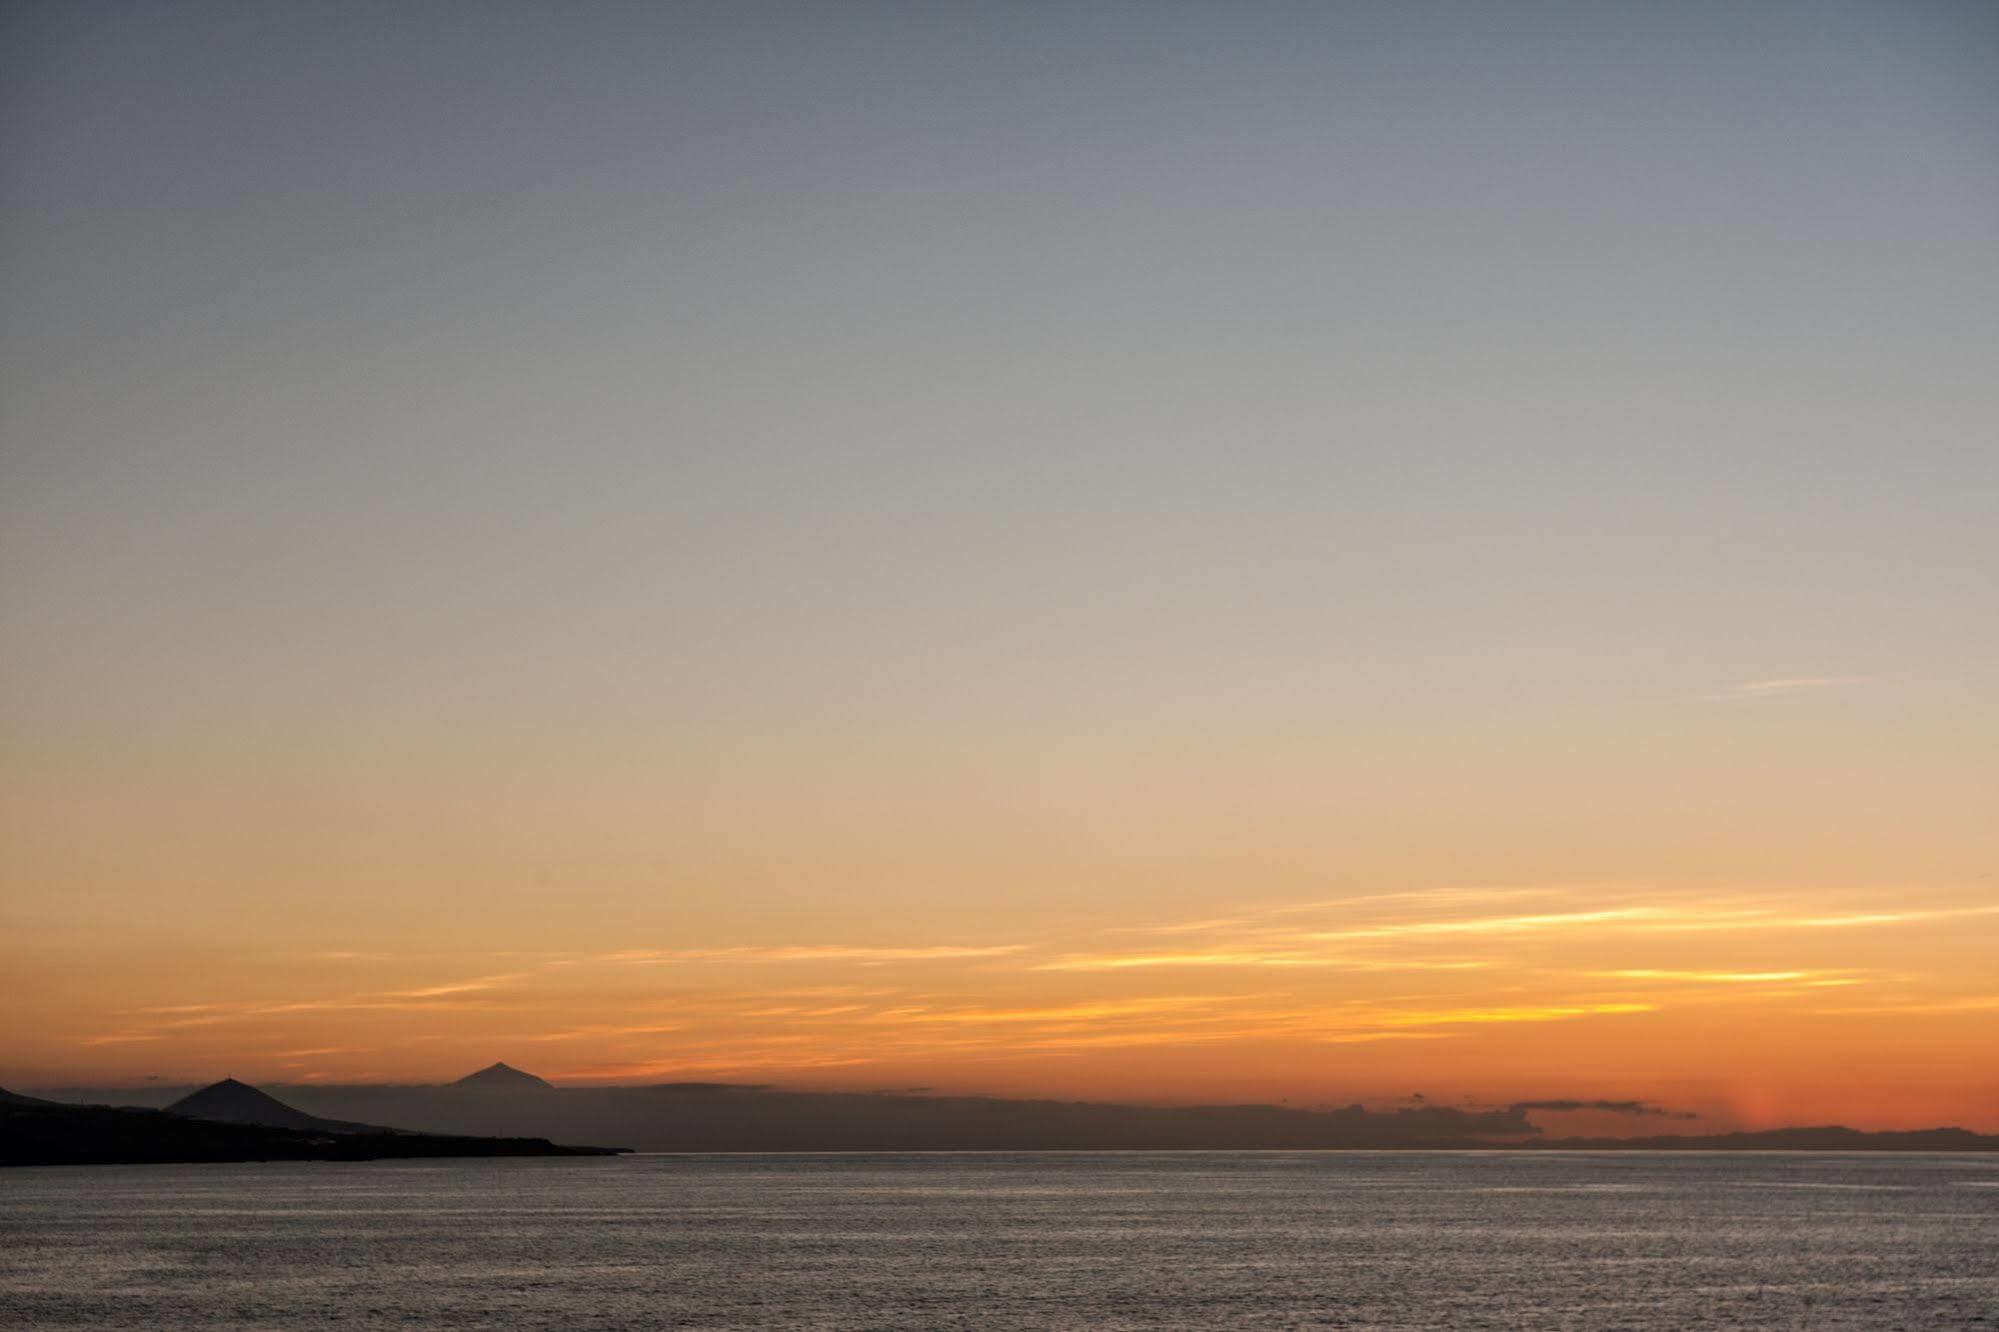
pixel 1210 1240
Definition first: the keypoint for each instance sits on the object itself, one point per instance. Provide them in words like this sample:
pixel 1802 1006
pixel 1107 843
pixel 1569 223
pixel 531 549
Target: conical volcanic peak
pixel 233 1102
pixel 502 1077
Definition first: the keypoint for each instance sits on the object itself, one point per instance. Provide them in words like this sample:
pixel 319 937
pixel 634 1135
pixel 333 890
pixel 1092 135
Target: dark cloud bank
pixel 1614 1107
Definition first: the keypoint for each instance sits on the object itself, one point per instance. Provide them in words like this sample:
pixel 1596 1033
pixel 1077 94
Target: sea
pixel 1108 1240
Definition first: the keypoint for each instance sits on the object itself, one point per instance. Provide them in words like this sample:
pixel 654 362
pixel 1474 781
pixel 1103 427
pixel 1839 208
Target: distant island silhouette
pixel 502 1102
pixel 226 1121
pixel 503 1077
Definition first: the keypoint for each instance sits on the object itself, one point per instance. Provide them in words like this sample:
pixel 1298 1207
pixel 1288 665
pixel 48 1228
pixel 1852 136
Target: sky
pixel 1306 552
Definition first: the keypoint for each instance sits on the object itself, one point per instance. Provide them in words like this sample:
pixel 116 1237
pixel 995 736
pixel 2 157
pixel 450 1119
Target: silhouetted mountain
pixel 15 1098
pixel 500 1077
pixel 233 1102
pixel 45 1133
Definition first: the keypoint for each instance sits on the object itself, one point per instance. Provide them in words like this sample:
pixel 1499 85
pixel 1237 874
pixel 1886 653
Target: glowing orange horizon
pixel 1744 1009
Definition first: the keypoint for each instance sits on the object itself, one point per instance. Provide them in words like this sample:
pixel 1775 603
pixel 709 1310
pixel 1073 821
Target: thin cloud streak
pixel 1707 977
pixel 456 987
pixel 1855 918
pixel 814 953
pixel 1980 1003
pixel 1291 948
pixel 1369 1037
pixel 1086 1012
pixel 599 1032
pixel 1235 957
pixel 321 1050
pixel 1790 685
pixel 1521 1013
pixel 1492 924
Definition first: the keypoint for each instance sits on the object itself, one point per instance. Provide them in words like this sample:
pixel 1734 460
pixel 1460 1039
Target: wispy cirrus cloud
pixel 1370 1037
pixel 1064 1013
pixel 471 986
pixel 1725 977
pixel 1315 973
pixel 1521 924
pixel 1857 919
pixel 599 1031
pixel 1976 1003
pixel 320 1050
pixel 1374 943
pixel 1283 958
pixel 446 996
pixel 1512 1013
pixel 1269 914
pixel 1796 684
pixel 861 953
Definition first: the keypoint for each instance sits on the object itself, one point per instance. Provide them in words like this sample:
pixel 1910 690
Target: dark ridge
pixel 46 1133
pixel 157 1096
pixel 502 1077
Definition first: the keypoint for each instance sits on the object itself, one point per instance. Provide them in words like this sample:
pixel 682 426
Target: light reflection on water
pixel 1110 1240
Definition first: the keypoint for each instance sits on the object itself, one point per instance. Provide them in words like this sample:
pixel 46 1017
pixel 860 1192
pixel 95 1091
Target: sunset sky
pixel 1163 551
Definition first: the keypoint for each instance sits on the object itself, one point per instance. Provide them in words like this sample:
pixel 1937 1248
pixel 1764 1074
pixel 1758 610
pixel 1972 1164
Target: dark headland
pixel 233 1102
pixel 505 1102
pixel 228 1121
